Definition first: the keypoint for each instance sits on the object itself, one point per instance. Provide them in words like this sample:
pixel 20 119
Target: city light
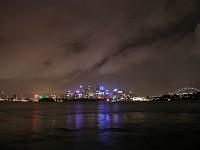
pixel 101 88
pixel 115 90
pixel 99 93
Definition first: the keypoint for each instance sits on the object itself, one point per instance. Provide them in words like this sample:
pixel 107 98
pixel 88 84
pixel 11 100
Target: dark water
pixel 100 125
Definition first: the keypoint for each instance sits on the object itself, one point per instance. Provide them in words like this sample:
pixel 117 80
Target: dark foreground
pixel 100 125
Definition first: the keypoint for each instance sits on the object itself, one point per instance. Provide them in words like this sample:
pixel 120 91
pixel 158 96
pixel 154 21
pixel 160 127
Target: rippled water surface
pixel 100 125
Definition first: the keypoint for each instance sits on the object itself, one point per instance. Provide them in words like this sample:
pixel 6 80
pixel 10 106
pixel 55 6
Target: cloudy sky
pixel 50 46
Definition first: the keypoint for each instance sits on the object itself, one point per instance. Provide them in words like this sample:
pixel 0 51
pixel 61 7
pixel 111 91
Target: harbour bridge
pixel 186 90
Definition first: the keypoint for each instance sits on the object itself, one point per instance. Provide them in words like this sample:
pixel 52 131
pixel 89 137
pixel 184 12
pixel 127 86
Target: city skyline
pixel 100 93
pixel 149 47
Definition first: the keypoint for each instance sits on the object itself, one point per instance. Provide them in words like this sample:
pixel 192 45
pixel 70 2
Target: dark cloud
pixel 47 63
pixel 75 46
pixel 142 45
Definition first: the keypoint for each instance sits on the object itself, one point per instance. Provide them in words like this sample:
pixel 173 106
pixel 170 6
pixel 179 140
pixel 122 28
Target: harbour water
pixel 100 125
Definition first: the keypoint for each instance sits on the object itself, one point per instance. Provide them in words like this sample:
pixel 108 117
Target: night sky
pixel 50 46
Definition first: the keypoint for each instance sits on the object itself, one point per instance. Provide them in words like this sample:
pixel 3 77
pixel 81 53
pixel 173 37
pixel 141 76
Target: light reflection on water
pixel 97 124
pixel 36 122
pixel 103 116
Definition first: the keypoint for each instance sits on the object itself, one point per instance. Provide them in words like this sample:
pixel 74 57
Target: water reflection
pixel 36 122
pixel 97 126
pixel 108 120
pixel 75 119
pixel 103 121
pixel 116 118
pixel 102 116
pixel 78 121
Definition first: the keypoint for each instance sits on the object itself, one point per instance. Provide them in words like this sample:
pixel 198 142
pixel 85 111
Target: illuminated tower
pixel 81 91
